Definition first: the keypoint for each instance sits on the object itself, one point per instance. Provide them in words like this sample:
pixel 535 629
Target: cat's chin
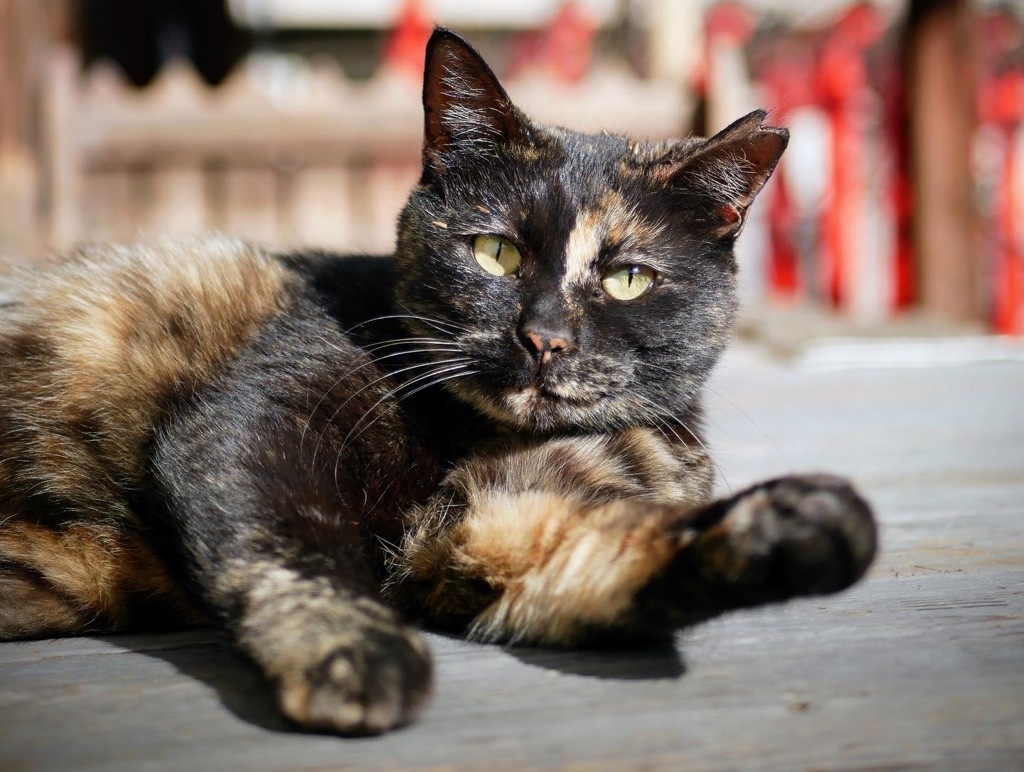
pixel 533 407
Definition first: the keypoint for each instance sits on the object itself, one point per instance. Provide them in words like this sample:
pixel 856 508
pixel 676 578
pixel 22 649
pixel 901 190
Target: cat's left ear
pixel 465 108
pixel 730 169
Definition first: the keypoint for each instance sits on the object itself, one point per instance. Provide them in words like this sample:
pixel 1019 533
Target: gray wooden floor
pixel 920 666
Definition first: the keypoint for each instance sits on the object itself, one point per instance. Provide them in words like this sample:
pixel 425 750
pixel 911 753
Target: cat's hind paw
pixel 365 686
pixel 793 536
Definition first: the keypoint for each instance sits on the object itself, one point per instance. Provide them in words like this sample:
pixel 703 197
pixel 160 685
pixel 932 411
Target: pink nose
pixel 544 344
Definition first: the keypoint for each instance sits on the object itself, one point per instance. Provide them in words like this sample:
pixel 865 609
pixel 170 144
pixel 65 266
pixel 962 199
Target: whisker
pixel 664 417
pixel 455 364
pixel 345 375
pixel 418 340
pixel 675 373
pixel 366 386
pixel 448 328
pixel 753 423
pixel 438 324
pixel 434 383
pixel 432 380
pixel 669 370
pixel 718 425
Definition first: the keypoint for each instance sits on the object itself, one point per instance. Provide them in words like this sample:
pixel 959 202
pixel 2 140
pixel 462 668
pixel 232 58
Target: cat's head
pixel 570 280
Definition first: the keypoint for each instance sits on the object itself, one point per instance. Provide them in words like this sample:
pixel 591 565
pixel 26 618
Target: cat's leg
pixel 338 658
pixel 541 568
pixel 268 510
pixel 794 536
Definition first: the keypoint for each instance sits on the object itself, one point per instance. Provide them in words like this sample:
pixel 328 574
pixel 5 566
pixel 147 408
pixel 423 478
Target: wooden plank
pixel 385 189
pixel 178 203
pixel 320 208
pixel 250 205
pixel 114 203
pixel 27 33
pixel 62 151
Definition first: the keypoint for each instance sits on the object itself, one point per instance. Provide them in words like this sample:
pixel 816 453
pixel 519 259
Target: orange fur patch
pixel 563 567
pixel 546 538
pixel 94 574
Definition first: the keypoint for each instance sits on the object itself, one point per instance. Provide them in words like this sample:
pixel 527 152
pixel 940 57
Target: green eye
pixel 629 282
pixel 496 255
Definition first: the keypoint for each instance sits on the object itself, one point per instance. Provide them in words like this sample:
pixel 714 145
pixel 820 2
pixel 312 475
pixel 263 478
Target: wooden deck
pixel 920 666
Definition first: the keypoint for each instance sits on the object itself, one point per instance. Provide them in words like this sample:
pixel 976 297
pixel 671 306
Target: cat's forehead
pixel 624 156
pixel 603 191
pixel 589 157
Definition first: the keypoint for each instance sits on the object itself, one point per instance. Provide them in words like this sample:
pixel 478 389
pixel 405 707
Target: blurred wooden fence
pixel 284 152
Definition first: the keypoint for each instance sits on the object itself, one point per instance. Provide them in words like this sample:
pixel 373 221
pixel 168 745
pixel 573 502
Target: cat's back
pixel 95 350
pixel 94 347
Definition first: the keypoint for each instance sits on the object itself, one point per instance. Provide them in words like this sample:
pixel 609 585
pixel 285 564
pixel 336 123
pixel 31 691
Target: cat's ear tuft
pixel 465 107
pixel 730 168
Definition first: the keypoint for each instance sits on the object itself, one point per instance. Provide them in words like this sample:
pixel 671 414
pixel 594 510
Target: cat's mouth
pixel 537 405
pixel 541 391
pixel 544 406
pixel 536 396
pixel 532 396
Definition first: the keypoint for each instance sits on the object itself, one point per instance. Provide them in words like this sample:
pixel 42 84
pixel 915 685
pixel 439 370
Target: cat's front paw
pixel 797 535
pixel 364 685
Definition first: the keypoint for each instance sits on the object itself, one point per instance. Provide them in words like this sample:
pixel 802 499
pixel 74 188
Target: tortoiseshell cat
pixel 495 431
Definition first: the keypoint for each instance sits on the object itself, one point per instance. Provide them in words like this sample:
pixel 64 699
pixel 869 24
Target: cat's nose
pixel 543 344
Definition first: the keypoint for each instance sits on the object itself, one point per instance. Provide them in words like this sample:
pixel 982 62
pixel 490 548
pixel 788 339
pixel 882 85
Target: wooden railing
pixel 285 151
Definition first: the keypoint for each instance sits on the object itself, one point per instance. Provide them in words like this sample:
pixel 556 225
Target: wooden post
pixel 676 28
pixel 940 117
pixel 320 208
pixel 62 156
pixel 26 32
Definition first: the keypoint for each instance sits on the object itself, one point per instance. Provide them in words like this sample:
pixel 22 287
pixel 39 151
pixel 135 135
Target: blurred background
pixel 297 122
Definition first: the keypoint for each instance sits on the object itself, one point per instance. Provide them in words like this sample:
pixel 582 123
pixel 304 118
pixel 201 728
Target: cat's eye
pixel 628 282
pixel 496 255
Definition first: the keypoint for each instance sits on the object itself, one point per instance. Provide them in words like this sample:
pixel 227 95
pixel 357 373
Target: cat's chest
pixel 446 429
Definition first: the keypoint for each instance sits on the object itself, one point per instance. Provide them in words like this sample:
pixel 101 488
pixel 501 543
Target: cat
pixel 495 432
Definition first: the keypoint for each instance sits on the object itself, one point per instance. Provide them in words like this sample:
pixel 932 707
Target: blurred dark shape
pixel 142 35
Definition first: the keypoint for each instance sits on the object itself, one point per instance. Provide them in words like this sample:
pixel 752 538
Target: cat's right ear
pixel 729 169
pixel 465 108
